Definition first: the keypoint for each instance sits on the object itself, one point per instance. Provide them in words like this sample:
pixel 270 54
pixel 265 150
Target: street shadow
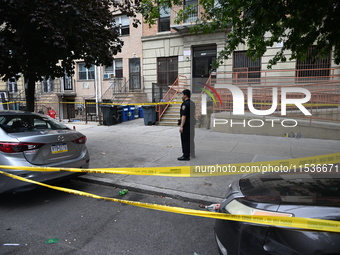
pixel 38 195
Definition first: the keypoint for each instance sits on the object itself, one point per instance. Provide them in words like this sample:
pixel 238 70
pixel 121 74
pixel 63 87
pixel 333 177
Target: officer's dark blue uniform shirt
pixel 185 110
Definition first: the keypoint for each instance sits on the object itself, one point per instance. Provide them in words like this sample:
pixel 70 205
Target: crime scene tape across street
pixel 172 102
pixel 320 163
pixel 292 222
pixel 89 103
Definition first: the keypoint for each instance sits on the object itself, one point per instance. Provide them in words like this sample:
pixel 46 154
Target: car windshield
pixel 25 123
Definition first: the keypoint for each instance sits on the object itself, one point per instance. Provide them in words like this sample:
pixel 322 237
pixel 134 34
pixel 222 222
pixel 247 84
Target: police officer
pixel 187 126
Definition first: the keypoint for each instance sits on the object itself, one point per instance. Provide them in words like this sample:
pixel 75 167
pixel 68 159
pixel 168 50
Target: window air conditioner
pixel 109 75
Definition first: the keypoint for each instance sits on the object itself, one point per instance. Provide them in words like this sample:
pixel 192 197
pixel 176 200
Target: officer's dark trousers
pixel 187 139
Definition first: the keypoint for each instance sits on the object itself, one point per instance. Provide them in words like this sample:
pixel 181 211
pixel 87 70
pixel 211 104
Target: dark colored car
pixel 30 139
pixel 293 195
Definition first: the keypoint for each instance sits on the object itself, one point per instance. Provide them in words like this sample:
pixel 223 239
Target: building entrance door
pixel 203 57
pixel 134 71
pixel 68 108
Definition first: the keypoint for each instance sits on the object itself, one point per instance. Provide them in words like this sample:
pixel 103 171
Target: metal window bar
pixel 245 69
pixel 193 5
pixel 313 68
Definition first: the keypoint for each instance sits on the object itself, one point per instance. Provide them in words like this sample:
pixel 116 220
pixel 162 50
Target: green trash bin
pixel 112 114
pixel 108 112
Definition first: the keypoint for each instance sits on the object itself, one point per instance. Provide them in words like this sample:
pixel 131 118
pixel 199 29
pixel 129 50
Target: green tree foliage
pixel 43 37
pixel 263 23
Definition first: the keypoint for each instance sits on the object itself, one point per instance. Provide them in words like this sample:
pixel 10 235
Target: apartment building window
pixel 164 20
pixel 68 85
pixel 312 66
pixel 3 99
pixel 47 85
pixel 115 70
pixel 12 85
pixel 245 68
pixel 85 73
pixel 193 5
pixel 123 24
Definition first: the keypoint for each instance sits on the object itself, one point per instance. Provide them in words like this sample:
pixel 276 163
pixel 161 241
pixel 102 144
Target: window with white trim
pixel 12 85
pixel 115 70
pixel 68 84
pixel 123 24
pixel 164 20
pixel 85 73
pixel 47 85
pixel 193 6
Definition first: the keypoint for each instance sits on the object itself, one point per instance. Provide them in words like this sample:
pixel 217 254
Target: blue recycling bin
pixel 140 112
pixel 149 112
pixel 131 114
pixel 137 112
pixel 125 113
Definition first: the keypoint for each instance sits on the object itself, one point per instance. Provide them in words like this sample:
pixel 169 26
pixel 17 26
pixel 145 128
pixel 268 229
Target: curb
pixel 151 190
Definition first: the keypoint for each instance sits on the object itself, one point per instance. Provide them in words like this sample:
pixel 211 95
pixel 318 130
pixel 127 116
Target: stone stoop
pixel 171 116
pixel 130 98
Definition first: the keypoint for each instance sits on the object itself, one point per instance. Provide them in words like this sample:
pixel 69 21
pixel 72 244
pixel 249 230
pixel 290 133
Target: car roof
pixel 314 188
pixel 16 112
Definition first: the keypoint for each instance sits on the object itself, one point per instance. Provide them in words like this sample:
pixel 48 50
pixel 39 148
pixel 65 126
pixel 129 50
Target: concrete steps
pixel 171 116
pixel 129 98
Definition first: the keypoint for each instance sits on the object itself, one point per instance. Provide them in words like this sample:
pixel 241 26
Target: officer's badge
pixel 183 107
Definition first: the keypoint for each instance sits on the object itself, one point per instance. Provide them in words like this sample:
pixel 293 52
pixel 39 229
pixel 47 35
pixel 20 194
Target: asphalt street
pixel 131 144
pixel 46 221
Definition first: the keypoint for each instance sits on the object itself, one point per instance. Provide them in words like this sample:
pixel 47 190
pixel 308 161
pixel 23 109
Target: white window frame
pixel 12 86
pixel 110 72
pixel 164 18
pixel 47 85
pixel 123 23
pixel 89 72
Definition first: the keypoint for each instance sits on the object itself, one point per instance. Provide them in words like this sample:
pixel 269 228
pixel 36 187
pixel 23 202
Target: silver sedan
pixel 30 139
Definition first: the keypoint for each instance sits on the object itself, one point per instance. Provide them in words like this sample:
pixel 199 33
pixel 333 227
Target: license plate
pixel 58 148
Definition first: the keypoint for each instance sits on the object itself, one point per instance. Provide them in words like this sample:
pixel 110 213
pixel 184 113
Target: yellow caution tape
pixel 180 171
pixel 292 222
pixel 315 164
pixel 304 104
pixel 173 102
pixel 91 103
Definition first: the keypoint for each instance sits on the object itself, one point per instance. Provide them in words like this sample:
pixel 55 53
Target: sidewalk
pixel 132 144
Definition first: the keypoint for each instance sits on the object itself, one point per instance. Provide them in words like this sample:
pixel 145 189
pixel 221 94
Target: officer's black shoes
pixel 183 158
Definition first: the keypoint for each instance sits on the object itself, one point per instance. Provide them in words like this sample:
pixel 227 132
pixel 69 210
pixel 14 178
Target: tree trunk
pixel 30 93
